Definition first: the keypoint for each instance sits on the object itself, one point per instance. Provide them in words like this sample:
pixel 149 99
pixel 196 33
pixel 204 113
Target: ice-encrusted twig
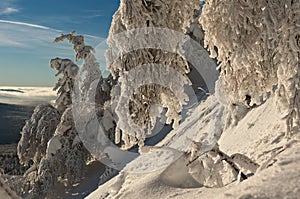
pixel 195 154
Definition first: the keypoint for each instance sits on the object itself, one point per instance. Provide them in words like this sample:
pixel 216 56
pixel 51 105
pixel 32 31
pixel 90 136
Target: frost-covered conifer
pixel 82 51
pixel 288 60
pixel 257 46
pixel 137 17
pixel 242 35
pixel 65 84
pixel 36 133
pixel 65 158
pixel 90 70
pixel 50 140
pixel 6 191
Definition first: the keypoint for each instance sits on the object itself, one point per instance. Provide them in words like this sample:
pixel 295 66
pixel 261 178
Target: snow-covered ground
pixel 260 135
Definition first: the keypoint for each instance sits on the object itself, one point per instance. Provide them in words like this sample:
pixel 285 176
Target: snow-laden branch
pixel 65 84
pixel 36 133
pixel 137 116
pixel 257 46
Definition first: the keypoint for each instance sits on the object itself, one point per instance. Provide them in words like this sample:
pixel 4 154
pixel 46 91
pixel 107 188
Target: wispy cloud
pixel 93 37
pixel 12 33
pixel 31 39
pixel 89 14
pixel 37 40
pixel 93 11
pixel 8 7
pixel 8 11
pixel 28 24
pixel 5 40
pixel 93 16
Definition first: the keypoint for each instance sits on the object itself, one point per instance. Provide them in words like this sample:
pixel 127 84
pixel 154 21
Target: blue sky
pixel 28 27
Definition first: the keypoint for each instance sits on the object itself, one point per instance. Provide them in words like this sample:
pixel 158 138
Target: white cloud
pixel 36 41
pixel 8 11
pixel 8 7
pixel 16 33
pixel 26 95
pixel 92 36
pixel 25 35
pixel 31 39
pixel 7 41
pixel 89 14
pixel 27 24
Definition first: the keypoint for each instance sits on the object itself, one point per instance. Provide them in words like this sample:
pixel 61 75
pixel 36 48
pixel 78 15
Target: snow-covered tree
pixel 90 70
pixel 36 133
pixel 65 158
pixel 50 139
pixel 194 29
pixel 131 52
pixel 81 50
pixel 6 191
pixel 89 75
pixel 257 46
pixel 65 84
pixel 288 60
pixel 242 36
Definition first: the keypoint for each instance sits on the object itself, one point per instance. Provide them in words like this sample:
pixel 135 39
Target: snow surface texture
pixel 257 46
pixel 259 135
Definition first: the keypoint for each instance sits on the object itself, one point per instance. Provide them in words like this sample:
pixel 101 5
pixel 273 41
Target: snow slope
pixel 163 172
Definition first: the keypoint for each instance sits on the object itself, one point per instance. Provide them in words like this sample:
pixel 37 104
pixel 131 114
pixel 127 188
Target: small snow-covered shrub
pixel 214 168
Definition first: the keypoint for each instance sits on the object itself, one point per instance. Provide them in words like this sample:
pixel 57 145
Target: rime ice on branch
pixel 257 46
pixel 134 16
pixel 90 65
pixel 36 133
pixel 65 84
pixel 288 59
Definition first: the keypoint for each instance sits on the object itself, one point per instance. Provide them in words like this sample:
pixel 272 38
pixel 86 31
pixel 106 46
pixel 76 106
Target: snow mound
pixel 182 179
